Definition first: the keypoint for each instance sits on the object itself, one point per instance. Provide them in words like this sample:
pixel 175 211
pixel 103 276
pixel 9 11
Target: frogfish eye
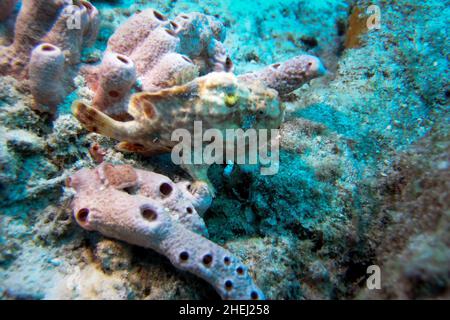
pixel 231 99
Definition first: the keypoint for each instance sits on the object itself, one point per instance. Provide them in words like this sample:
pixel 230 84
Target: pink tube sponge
pixel 135 30
pixel 147 36
pixel 46 74
pixel 68 32
pixel 91 30
pixel 159 42
pixel 149 210
pixel 117 75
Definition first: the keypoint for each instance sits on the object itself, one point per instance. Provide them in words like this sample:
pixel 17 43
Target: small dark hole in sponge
pixel 227 260
pixel 240 270
pixel 189 210
pixel 228 285
pixel 184 256
pixel 82 215
pixel 165 189
pixel 254 295
pixel 207 259
pixel 131 190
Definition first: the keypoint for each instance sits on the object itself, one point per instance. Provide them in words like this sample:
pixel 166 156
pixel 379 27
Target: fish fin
pixel 96 121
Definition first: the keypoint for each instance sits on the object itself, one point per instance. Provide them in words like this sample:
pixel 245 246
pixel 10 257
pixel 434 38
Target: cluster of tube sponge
pixel 159 53
pixel 287 76
pixel 6 8
pixel 48 38
pixel 150 210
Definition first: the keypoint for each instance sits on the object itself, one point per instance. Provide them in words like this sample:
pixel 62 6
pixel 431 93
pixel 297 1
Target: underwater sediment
pixel 363 174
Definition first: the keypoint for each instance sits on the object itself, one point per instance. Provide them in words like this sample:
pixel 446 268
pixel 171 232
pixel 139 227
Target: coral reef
pixel 147 209
pixel 61 29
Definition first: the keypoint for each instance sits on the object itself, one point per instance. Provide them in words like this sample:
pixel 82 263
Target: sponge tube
pixel 46 71
pixel 117 74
